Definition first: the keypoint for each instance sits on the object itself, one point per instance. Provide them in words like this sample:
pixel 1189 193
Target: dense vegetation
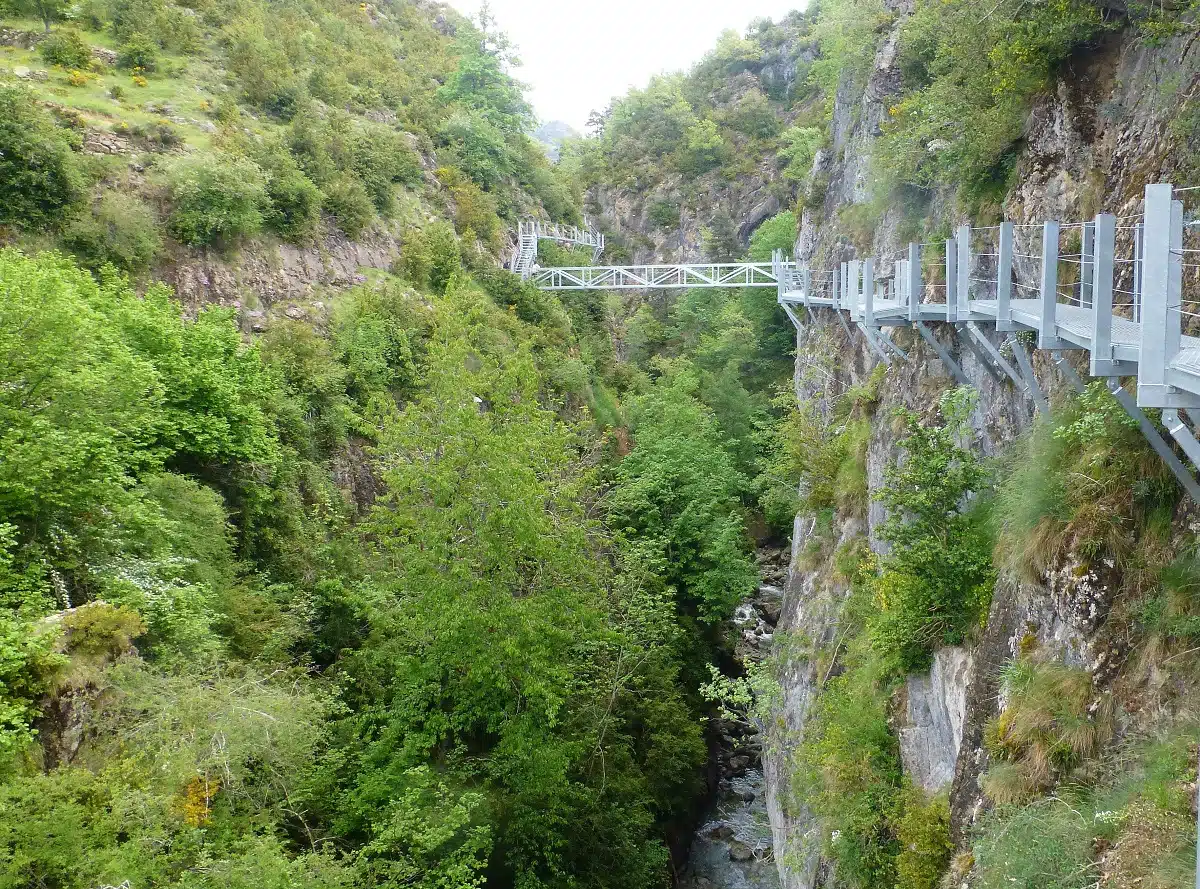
pixel 422 591
pixel 297 121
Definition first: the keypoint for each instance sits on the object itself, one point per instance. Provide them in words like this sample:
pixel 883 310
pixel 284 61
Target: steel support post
pixel 868 292
pixel 915 286
pixel 1067 371
pixel 951 279
pixel 1048 297
pixel 1162 281
pixel 1004 263
pixel 1086 265
pixel 989 354
pixel 963 287
pixel 1104 239
pixel 1031 383
pixel 943 353
pixel 795 321
pixel 874 345
pixel 1181 472
pixel 886 339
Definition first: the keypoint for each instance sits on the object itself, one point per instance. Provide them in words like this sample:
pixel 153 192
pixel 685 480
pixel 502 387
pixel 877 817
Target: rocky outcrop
pixel 935 711
pixel 267 274
pixel 944 709
pixel 1090 145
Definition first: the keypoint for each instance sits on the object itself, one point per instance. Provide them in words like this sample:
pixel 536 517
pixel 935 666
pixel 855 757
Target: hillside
pixel 552 135
pixel 234 147
pixel 325 559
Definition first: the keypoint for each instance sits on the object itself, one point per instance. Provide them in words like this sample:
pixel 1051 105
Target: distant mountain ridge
pixel 552 134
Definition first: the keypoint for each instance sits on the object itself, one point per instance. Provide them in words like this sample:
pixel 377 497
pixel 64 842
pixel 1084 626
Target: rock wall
pixel 1090 145
pixel 944 709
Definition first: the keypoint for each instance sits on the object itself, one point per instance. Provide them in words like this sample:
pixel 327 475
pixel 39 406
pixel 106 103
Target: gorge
pixel 333 553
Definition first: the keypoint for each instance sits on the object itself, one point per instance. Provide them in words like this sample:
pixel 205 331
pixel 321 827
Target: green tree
pixel 937 577
pixel 676 500
pixel 39 175
pixel 703 148
pixel 49 11
pixel 215 199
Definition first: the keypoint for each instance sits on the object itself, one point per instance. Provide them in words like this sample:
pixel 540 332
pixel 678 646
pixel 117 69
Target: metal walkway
pixel 530 231
pixel 642 277
pixel 1123 289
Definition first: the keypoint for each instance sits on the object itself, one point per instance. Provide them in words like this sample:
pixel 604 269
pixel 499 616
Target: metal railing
pixel 644 277
pixel 530 231
pixel 1124 289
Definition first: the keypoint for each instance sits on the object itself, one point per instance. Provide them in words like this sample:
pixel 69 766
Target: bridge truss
pixel 1127 293
pixel 643 277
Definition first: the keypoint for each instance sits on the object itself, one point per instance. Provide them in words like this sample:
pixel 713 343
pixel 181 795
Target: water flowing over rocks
pixel 733 848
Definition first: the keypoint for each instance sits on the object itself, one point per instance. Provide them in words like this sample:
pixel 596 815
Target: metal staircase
pixel 530 231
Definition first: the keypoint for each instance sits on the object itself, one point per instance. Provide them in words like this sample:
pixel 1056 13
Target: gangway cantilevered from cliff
pixel 1124 290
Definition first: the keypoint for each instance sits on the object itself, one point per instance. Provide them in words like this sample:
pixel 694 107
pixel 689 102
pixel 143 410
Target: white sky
pixel 577 54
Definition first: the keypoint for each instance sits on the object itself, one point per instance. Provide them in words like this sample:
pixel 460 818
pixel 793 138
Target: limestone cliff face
pixel 1089 146
pixel 941 708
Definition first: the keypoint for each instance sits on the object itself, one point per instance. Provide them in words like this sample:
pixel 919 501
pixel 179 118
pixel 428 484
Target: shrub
pixel 120 229
pixel 849 772
pixel 975 79
pixel 923 832
pixel 481 149
pixel 40 178
pixel 703 149
pixel 476 212
pixel 1081 483
pixel 215 199
pixel 445 260
pixel 681 457
pixel 382 157
pixel 66 48
pixel 1047 845
pixel 27 666
pixel 138 52
pixel 295 210
pixel 102 630
pixel 265 73
pixel 826 456
pixel 800 147
pixel 936 578
pixel 348 201
pixel 664 214
pixel 161 134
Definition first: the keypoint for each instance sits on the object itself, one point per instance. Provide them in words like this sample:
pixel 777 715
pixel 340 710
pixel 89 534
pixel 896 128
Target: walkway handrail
pixel 1063 282
pixel 644 277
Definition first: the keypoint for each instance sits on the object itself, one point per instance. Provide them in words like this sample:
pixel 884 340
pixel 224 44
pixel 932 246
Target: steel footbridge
pixel 1125 290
